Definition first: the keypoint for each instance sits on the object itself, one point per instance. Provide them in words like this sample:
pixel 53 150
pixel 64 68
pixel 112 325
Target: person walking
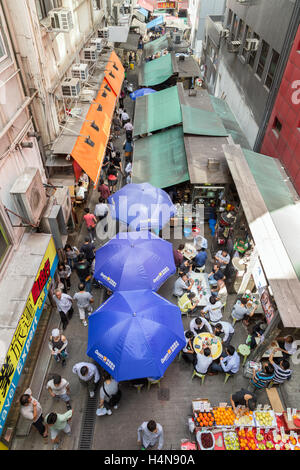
pixel 83 270
pixel 110 395
pixel 31 409
pixel 64 306
pixel 91 222
pixel 71 255
pixel 112 177
pixel 124 117
pixel 103 189
pixel 149 434
pixel 84 303
pixel 64 272
pixel 58 346
pixel 88 249
pixel 59 388
pixel 58 422
pixel 88 374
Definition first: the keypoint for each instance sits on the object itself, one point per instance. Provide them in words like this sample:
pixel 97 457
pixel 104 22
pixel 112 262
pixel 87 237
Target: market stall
pixel 218 427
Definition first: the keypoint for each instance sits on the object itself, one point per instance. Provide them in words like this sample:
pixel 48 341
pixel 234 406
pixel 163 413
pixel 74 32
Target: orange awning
pixel 90 146
pixel 115 73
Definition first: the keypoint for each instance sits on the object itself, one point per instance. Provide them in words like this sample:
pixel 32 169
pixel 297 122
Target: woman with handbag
pixel 110 395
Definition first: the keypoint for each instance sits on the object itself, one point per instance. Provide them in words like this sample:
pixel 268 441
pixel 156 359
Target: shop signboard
pixel 165 5
pixel 267 305
pixel 17 353
pixel 259 277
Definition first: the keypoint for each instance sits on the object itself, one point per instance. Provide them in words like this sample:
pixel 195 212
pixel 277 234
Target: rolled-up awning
pixel 90 146
pixel 160 159
pixel 157 111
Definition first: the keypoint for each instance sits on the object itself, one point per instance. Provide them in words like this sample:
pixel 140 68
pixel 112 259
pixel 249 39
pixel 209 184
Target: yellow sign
pixel 21 342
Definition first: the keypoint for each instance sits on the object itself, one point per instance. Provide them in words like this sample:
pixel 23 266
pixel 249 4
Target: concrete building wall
pixel 282 138
pixel 270 21
pixel 47 56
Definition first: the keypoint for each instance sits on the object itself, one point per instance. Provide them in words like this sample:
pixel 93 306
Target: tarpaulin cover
pixel 90 157
pixel 158 45
pixel 279 201
pixel 132 42
pixel 155 22
pixel 160 159
pixel 229 121
pixel 147 4
pixel 156 71
pixel 144 12
pixel 201 122
pixel 157 111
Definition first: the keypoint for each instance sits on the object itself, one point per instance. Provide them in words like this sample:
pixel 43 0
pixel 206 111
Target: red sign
pixel 41 281
pixel 165 5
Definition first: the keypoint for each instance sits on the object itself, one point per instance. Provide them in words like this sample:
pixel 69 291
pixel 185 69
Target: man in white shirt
pixel 225 330
pixel 101 209
pixel 182 285
pixel 88 374
pixel 200 325
pixel 59 388
pixel 222 258
pixel 229 362
pixel 31 409
pixel 128 126
pixel 149 434
pixel 214 310
pixel 64 306
pixel 124 117
pixel 204 360
pixel 80 192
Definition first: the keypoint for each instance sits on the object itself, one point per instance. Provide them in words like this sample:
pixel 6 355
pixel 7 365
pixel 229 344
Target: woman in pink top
pixel 91 222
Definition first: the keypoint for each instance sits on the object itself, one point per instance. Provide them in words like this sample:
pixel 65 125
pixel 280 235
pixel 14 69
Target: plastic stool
pixel 139 387
pixel 153 382
pixel 201 376
pixel 227 376
pixel 244 350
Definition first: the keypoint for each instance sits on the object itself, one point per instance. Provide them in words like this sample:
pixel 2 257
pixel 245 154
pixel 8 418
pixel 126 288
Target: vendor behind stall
pixel 244 398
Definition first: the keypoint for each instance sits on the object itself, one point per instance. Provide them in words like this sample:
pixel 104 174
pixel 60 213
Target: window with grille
pixel 44 6
pixel 272 69
pixel 262 58
pixel 252 54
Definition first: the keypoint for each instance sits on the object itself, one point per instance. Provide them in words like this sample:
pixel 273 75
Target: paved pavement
pixel 170 404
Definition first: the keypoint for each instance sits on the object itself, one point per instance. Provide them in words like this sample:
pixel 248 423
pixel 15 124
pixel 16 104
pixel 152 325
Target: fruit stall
pixel 220 428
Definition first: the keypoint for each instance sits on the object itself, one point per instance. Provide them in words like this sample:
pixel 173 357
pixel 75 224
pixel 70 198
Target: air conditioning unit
pixel 80 71
pixel 61 20
pixel 251 44
pixel 90 53
pixel 98 42
pixel 234 46
pixel 103 33
pixel 224 33
pixel 63 199
pixel 29 195
pixel 96 4
pixel 70 87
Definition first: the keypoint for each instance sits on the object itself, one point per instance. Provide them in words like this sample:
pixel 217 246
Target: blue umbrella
pixel 142 206
pixel 135 334
pixel 133 261
pixel 141 92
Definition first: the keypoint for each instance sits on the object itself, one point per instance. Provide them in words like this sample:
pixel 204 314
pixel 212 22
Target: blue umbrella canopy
pixel 135 334
pixel 142 206
pixel 133 261
pixel 141 92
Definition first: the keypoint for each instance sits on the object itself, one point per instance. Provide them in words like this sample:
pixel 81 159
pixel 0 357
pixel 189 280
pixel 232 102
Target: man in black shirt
pixel 245 398
pixel 83 270
pixel 88 250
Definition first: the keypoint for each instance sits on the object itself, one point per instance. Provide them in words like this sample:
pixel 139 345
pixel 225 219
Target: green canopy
pixel 160 159
pixel 157 111
pixel 201 122
pixel 156 71
pixel 279 201
pixel 229 121
pixel 158 45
